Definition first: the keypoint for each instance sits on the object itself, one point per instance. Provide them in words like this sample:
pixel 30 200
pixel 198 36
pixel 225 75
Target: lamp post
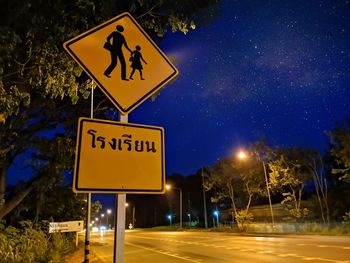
pixel 168 187
pixel 216 213
pixel 204 203
pixel 170 221
pixel 189 219
pixel 102 216
pixel 109 211
pixel 242 155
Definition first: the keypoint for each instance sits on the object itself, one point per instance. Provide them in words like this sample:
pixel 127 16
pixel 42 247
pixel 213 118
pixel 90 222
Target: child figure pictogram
pixel 135 59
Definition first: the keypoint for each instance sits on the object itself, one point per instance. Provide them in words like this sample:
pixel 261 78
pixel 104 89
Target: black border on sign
pixel 114 191
pixel 147 95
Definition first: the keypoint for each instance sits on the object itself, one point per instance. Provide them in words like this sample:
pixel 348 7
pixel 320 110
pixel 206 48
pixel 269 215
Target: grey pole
pixel 88 200
pixel 133 216
pixel 119 224
pixel 204 203
pixel 180 207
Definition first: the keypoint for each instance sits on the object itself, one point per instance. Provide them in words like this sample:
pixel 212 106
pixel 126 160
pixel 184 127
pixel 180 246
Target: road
pixel 176 247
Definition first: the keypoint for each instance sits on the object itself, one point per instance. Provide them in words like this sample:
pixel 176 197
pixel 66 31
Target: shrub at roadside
pixel 26 244
pixel 243 219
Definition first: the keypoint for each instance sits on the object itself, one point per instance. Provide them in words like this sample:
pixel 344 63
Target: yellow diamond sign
pixel 123 60
pixel 115 157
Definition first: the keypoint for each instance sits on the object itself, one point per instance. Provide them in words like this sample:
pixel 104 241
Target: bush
pixel 244 218
pixel 26 244
pixel 346 219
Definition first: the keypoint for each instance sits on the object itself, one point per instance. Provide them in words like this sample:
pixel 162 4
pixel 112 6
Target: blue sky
pixel 279 68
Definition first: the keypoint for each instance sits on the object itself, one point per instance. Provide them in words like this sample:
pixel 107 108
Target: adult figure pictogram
pixel 135 59
pixel 116 49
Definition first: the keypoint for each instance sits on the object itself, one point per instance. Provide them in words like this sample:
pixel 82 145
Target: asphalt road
pixel 171 247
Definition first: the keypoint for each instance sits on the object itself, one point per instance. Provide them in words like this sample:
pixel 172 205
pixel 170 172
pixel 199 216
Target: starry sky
pixel 279 68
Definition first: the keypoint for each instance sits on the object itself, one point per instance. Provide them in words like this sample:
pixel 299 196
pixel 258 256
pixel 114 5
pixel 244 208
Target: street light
pixel 168 187
pixel 189 219
pixel 109 211
pixel 216 213
pixel 170 221
pixel 102 216
pixel 204 203
pixel 242 155
pixel 133 213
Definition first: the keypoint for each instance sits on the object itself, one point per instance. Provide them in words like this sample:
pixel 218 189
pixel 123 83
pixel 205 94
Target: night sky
pixel 279 68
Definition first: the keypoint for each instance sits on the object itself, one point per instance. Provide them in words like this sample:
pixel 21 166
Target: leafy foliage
pixel 237 180
pixel 32 59
pixel 346 219
pixel 27 244
pixel 289 175
pixel 243 219
pixel 340 142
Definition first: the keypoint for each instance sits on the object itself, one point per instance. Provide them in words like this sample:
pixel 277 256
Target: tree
pixel 313 163
pixel 95 208
pixel 238 180
pixel 340 143
pixel 288 174
pixel 41 88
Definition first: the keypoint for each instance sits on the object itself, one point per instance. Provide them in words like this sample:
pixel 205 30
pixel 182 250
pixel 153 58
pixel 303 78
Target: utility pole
pixel 204 203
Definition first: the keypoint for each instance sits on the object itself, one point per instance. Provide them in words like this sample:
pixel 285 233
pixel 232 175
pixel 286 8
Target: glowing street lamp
pixel 216 213
pixel 170 219
pixel 168 187
pixel 109 211
pixel 242 155
pixel 102 216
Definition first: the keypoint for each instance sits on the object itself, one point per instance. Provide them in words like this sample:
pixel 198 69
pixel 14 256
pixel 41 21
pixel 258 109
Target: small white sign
pixel 70 226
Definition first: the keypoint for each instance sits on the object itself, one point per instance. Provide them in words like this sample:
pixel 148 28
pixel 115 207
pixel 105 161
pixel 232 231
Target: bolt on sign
pixel 123 60
pixel 115 157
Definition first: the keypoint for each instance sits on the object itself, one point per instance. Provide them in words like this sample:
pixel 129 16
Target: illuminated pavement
pixel 154 247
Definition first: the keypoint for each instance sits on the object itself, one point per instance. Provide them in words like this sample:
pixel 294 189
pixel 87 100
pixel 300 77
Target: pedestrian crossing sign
pixel 123 60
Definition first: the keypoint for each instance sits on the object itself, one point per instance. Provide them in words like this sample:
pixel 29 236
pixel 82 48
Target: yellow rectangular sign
pixel 114 157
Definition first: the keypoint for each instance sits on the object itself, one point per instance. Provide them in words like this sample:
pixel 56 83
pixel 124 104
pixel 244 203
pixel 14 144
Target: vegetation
pixel 340 141
pixel 28 244
pixel 307 184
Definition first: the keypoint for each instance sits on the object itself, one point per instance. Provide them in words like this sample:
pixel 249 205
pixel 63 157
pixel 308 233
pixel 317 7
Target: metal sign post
pixel 119 229
pixel 88 200
pixel 119 224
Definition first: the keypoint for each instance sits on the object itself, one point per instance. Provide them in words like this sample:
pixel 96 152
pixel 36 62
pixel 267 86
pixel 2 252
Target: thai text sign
pixel 70 226
pixel 114 157
pixel 123 60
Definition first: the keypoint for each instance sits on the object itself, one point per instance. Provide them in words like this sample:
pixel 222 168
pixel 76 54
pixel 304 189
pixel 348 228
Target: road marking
pixel 323 246
pixel 166 253
pixel 256 250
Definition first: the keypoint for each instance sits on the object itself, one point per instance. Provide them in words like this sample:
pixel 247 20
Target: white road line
pixel 165 253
